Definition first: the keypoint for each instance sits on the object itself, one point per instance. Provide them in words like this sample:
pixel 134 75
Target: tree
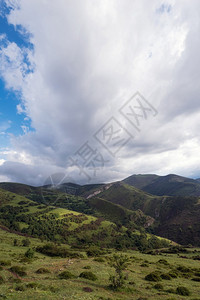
pixel 120 263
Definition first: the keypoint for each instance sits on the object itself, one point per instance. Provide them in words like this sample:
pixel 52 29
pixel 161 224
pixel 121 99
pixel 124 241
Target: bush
pixel 94 251
pixel 29 253
pixel 99 259
pixel 196 279
pixel 87 289
pixel 163 261
pixel 5 263
pixel 18 270
pixel 144 265
pixel 15 242
pixel 120 263
pixel 26 243
pixel 1 279
pixel 152 277
pixel 42 271
pixel 183 269
pixel 54 250
pixel 158 286
pixel 171 291
pixel 165 276
pixel 173 274
pixel 183 291
pixel 88 275
pixel 87 267
pixel 66 275
pixel 32 285
pixel 20 288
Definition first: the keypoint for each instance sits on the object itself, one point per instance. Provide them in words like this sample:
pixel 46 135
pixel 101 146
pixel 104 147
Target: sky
pixel 95 91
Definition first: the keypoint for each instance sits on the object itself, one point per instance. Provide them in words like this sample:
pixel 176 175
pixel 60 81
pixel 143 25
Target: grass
pixel 48 285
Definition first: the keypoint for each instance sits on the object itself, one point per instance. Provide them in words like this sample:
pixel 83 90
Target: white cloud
pixel 88 58
pixel 4 125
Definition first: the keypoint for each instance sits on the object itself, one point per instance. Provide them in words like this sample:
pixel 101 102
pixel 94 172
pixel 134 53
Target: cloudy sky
pixel 98 90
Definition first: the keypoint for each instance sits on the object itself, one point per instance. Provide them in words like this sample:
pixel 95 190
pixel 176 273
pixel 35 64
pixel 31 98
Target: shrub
pixel 54 250
pixel 20 288
pixel 171 291
pixel 16 280
pixel 1 279
pixel 163 261
pixel 183 291
pixel 5 263
pixel 165 276
pixel 88 275
pixel 173 274
pixel 87 289
pixel 183 269
pixel 32 285
pixel 15 242
pixel 42 271
pixel 26 243
pixel 153 277
pixel 196 279
pixel 87 267
pixel 18 270
pixel 66 275
pixel 144 265
pixel 94 251
pixel 29 253
pixel 99 259
pixel 120 263
pixel 158 286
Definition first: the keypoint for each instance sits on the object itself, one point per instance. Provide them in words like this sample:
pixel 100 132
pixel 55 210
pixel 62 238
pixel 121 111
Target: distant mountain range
pixel 168 206
pixel 171 185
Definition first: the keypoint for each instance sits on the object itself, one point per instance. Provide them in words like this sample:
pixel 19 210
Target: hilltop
pixel 170 185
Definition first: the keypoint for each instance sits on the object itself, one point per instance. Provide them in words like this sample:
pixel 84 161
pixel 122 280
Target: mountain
pixel 178 218
pixel 170 185
pixel 140 180
pixel 174 217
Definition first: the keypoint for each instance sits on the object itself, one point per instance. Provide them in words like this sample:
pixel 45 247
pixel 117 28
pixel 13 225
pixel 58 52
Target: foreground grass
pixel 50 286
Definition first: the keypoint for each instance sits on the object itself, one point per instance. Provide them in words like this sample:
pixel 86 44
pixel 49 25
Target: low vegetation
pixel 122 275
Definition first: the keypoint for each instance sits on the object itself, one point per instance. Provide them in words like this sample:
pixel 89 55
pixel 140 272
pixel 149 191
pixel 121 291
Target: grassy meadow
pixel 47 284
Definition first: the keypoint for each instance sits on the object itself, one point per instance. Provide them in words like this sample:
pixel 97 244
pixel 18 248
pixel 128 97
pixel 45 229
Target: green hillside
pixel 176 218
pixel 140 180
pixel 170 185
pixel 173 217
pixel 128 196
pixel 88 205
pixel 56 277
pixel 27 217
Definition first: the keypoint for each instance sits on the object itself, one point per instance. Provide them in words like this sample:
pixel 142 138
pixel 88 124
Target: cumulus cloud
pixel 87 58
